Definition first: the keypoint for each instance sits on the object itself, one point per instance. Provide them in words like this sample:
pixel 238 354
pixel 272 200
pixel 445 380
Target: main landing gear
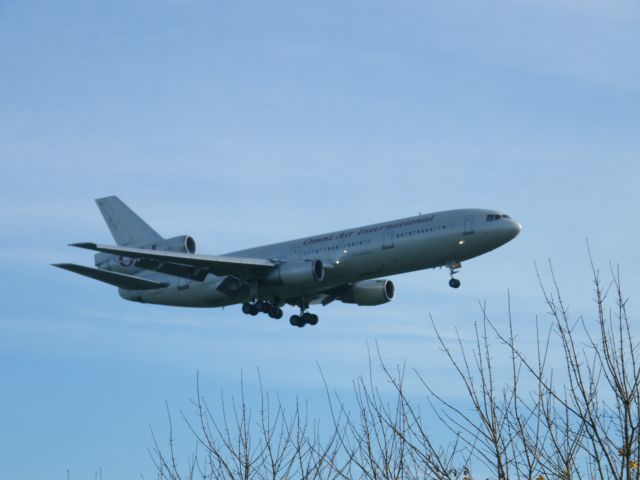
pixel 305 318
pixel 274 311
pixel 454 282
pixel 262 306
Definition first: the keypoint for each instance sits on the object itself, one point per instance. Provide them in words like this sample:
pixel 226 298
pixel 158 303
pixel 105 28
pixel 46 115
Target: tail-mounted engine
pixel 370 292
pixel 301 272
pixel 181 243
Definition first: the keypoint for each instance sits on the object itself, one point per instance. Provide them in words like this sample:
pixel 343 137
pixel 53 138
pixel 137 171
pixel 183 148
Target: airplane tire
pixel 295 320
pixel 264 307
pixel 313 319
pixel 454 283
pixel 246 308
pixel 278 314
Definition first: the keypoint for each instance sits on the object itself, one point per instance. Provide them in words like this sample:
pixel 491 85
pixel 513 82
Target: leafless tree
pixel 231 444
pixel 587 415
pixel 569 409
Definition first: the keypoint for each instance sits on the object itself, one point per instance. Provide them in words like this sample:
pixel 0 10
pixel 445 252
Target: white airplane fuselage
pixel 349 256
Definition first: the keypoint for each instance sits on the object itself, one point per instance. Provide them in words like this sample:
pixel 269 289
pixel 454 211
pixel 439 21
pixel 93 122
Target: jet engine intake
pixel 181 243
pixel 370 292
pixel 302 272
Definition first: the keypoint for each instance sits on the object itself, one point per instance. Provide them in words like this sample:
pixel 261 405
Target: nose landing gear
pixel 454 282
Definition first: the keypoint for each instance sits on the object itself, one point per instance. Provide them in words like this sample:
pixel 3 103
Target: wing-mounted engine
pixel 301 272
pixel 370 292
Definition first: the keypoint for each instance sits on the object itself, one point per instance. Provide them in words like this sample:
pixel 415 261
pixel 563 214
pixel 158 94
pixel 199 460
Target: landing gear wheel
pixel 308 319
pixel 275 312
pixel 296 321
pixel 453 267
pixel 264 307
pixel 246 308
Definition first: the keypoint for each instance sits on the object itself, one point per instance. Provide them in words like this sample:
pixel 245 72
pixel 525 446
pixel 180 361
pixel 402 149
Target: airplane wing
pixel 331 295
pixel 129 282
pixel 157 260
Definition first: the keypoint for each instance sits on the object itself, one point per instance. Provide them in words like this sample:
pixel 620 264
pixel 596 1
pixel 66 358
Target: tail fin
pixel 126 227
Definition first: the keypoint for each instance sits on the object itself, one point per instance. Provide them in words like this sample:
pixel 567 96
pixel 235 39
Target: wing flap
pixel 218 265
pixel 175 269
pixel 121 280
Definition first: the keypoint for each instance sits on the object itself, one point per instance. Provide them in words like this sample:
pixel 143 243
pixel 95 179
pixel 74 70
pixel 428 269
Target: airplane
pixel 346 265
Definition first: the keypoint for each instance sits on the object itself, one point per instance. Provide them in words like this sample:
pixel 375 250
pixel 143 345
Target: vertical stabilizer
pixel 126 227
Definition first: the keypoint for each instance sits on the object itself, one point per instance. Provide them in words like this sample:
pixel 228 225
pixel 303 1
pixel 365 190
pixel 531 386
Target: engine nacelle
pixel 301 272
pixel 181 243
pixel 370 292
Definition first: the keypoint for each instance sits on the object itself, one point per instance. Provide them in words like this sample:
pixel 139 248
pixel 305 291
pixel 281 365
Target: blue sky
pixel 244 123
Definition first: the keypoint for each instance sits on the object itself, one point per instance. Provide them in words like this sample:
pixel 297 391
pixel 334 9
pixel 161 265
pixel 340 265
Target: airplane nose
pixel 514 228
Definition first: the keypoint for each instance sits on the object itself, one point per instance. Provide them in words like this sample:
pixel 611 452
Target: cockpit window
pixel 496 216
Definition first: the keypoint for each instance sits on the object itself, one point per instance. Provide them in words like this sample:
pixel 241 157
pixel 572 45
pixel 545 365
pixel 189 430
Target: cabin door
pixel 468 225
pixel 387 241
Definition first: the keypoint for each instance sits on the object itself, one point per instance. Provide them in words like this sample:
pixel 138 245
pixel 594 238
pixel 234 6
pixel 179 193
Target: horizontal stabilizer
pixel 218 265
pixel 128 282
